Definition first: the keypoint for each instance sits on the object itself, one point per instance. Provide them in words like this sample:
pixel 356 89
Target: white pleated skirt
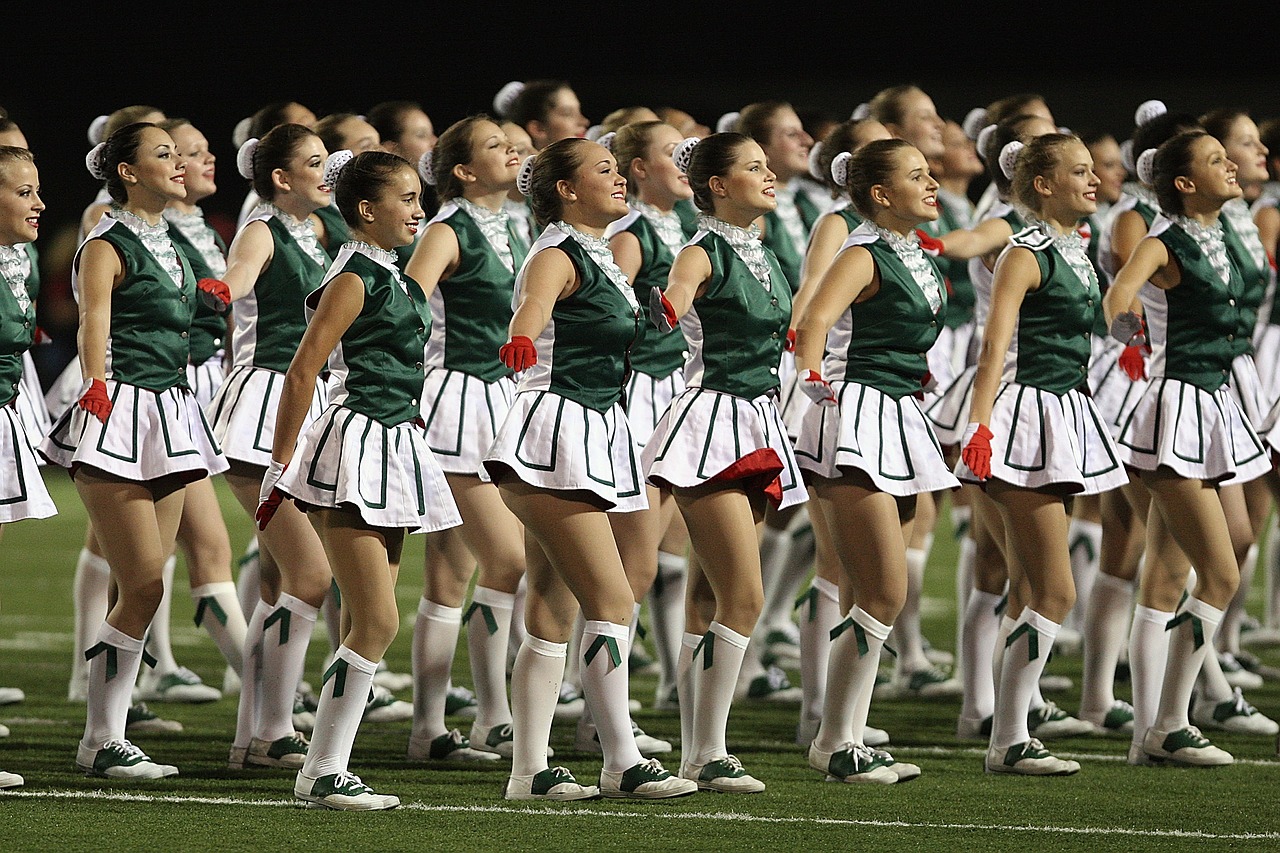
pixel 552 442
pixel 462 414
pixel 1045 440
pixel 22 491
pixel 647 399
pixel 889 440
pixel 30 406
pixel 205 379
pixel 386 474
pixel 147 436
pixel 242 413
pixel 707 435
pixel 1198 434
pixel 949 412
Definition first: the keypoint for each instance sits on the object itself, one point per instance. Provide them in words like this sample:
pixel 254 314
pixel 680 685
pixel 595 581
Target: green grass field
pixel 953 806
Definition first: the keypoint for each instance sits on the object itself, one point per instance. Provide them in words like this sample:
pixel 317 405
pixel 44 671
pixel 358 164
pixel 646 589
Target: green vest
pixel 471 309
pixel 1204 315
pixel 379 358
pixel 271 320
pixel 654 353
pixel 960 295
pixel 1055 323
pixel 17 331
pixel 208 328
pixel 336 230
pixel 882 342
pixel 742 328
pixel 1253 288
pixel 688 213
pixel 150 316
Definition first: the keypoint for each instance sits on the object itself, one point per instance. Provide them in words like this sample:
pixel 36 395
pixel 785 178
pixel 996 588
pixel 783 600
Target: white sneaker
pixel 11 695
pixel 773 686
pixel 852 763
pixel 587 739
pixel 1138 757
pixel 453 745
pixel 4 730
pixel 120 759
pixel 460 702
pixel 906 772
pixel 647 780
pixel 1235 674
pixel 142 719
pixel 10 780
pixel 1232 715
pixel 926 683
pixel 499 740
pixel 385 708
pixel 724 775
pixel 393 681
pixel 873 737
pixel 571 704
pixel 180 685
pixel 807 730
pixel 230 682
pixel 1028 759
pixel 1185 746
pixel 1068 642
pixel 289 752
pixel 1115 720
pixel 1049 721
pixel 554 783
pixel 968 728
pixel 342 792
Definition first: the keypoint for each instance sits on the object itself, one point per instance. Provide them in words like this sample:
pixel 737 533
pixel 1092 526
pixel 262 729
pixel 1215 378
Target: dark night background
pixel 217 63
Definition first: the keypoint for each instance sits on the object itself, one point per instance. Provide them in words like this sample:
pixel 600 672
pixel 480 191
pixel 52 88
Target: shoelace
pixel 652 765
pixel 126 749
pixel 349 780
pixel 732 762
pixel 1035 745
pixel 456 736
pixel 1194 733
pixel 1240 706
pixel 562 773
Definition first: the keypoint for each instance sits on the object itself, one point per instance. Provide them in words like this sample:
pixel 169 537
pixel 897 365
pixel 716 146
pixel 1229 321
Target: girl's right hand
pixel 94 399
pixel 269 497
pixel 976 454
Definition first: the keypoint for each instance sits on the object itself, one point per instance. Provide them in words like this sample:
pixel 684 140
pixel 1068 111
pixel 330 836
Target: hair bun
pixel 244 157
pixel 1146 166
pixel 94 163
pixel 426 168
pixel 1009 157
pixel 240 134
pixel 983 142
pixel 524 178
pixel 1126 156
pixel 506 98
pixel 815 160
pixel 1147 110
pixel 334 165
pixel 974 121
pixel 683 153
pixel 728 122
pixel 840 168
pixel 98 129
pixel 594 132
pixel 606 140
pixel 861 112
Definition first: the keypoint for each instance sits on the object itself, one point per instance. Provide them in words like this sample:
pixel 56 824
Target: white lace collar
pixel 14 267
pixel 913 258
pixel 155 238
pixel 197 231
pixel 598 250
pixel 1210 240
pixel 745 243
pixel 302 232
pixel 667 225
pixel 493 225
pixel 1072 248
pixel 1238 214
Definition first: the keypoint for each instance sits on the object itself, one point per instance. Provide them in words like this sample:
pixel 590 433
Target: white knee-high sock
pixel 819 613
pixel 1106 624
pixel 1191 633
pixel 249 579
pixel 344 694
pixel 535 690
pixel 488 629
pixel 1148 656
pixel 780 600
pixel 685 687
pixel 218 611
pixel 666 617
pixel 851 677
pixel 1025 654
pixel 715 672
pixel 159 636
pixel 1228 639
pixel 286 635
pixel 251 677
pixel 113 668
pixel 605 686
pixel 981 630
pixel 518 630
pixel 1084 539
pixel 964 586
pixel 435 640
pixel 89 597
pixel 1007 623
pixel 1212 683
pixel 332 608
pixel 907 632
pixel 1272 568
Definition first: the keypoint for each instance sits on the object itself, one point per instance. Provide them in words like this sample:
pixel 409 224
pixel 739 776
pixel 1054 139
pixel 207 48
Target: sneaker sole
pixel 161 772
pixel 731 786
pixel 589 792
pixel 660 794
pixel 267 762
pixel 385 803
pixel 1004 769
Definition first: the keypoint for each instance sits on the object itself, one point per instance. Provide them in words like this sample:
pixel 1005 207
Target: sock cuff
pixel 690 641
pixel 1150 614
pixel 870 624
pixel 494 598
pixel 170 564
pixel 729 635
pixel 1205 612
pixel 354 660
pixel 671 564
pixel 606 629
pixel 93 561
pixel 1102 579
pixel 1047 627
pixel 827 589
pixel 439 612
pixel 208 589
pixel 546 648
pixel 298 606
pixel 1007 622
pixel 986 599
pixel 115 637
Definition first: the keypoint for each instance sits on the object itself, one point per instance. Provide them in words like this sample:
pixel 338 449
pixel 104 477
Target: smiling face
pixel 746 186
pixel 597 195
pixel 1108 165
pixel 1069 192
pixel 158 168
pixel 303 178
pixel 1244 147
pixel 20 203
pixel 920 124
pixel 788 145
pixel 909 196
pixel 194 148
pixel 494 160
pixel 1212 173
pixel 658 178
pixel 392 219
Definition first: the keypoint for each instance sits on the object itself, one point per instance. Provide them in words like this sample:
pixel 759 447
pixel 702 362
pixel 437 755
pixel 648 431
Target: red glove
pixel 40 337
pixel 1085 230
pixel 1133 361
pixel 269 497
pixel 976 454
pixel 94 399
pixel 818 389
pixel 927 385
pixel 791 341
pixel 214 294
pixel 931 245
pixel 518 353
pixel 661 313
